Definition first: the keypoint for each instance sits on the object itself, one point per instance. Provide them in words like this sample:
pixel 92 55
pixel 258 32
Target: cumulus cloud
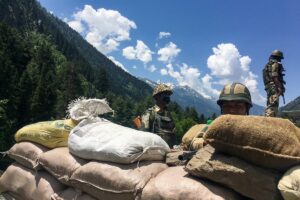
pixel 102 28
pixel 190 76
pixel 141 52
pixel 168 53
pixel 164 35
pixel 117 63
pixel 76 25
pixel 227 65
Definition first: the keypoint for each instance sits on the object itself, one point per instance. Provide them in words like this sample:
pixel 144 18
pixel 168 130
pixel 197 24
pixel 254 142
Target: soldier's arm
pixel 275 78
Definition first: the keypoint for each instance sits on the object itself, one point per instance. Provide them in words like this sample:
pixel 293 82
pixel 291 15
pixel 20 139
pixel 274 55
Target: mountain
pixel 186 96
pixel 28 15
pixel 293 105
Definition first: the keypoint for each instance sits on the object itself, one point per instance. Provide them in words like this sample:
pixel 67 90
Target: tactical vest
pixel 161 124
pixel 267 74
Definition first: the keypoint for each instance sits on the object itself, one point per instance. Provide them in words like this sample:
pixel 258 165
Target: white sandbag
pixel 100 139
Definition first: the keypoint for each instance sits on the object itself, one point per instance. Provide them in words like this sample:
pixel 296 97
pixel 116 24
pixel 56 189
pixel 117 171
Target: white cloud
pixel 164 35
pixel 163 72
pixel 191 76
pixel 105 29
pixel 227 65
pixel 151 68
pixel 140 52
pixel 168 53
pixel 117 63
pixel 76 25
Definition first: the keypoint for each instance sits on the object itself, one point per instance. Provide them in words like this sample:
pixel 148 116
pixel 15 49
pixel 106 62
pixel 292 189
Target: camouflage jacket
pixel 158 122
pixel 272 69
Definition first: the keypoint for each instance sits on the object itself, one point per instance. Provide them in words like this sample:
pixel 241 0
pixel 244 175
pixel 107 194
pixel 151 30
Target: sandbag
pixel 197 144
pixel 195 131
pixel 289 184
pixel 60 163
pixel 265 141
pixel 27 154
pixel 247 179
pixel 26 184
pixel 100 139
pixel 50 134
pixel 72 194
pixel 115 181
pixel 172 158
pixel 174 183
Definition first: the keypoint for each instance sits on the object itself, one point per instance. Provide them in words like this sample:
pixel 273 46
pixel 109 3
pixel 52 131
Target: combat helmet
pixel 162 88
pixel 235 92
pixel 277 53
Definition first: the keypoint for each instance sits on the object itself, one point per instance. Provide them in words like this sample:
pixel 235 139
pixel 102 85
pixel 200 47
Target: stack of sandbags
pixel 191 142
pixel 100 139
pixel 268 142
pixel 250 155
pixel 247 179
pixel 25 179
pixel 174 183
pixel 23 183
pixel 193 138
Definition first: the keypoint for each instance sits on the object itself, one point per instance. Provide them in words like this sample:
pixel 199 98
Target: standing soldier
pixel 158 119
pixel 274 84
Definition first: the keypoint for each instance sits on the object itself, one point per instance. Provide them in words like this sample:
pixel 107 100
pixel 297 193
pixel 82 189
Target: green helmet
pixel 161 88
pixel 277 53
pixel 235 92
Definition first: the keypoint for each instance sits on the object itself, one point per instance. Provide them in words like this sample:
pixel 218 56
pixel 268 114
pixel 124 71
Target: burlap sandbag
pixel 26 184
pixel 174 183
pixel 247 179
pixel 266 141
pixel 115 181
pixel 27 154
pixel 72 194
pixel 289 184
pixel 60 163
pixel 197 144
pixel 195 131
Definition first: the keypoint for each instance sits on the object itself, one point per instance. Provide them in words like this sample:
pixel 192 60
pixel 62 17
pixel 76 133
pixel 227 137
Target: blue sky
pixel 203 44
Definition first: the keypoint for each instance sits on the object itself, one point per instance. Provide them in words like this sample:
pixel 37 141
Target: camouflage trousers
pixel 272 102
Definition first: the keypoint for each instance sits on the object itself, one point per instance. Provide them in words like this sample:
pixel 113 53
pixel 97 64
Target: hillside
pixel 293 105
pixel 28 15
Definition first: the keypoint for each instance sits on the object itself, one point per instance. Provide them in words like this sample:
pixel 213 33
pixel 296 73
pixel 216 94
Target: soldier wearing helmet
pixel 235 99
pixel 158 119
pixel 273 74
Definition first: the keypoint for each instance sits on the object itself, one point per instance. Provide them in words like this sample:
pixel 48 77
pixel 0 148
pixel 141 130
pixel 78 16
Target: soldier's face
pixel 234 108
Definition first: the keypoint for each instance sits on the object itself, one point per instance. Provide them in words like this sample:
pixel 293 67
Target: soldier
pixel 274 84
pixel 158 119
pixel 235 99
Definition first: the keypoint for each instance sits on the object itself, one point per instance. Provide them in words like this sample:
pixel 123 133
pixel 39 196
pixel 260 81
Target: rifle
pixel 187 155
pixel 283 98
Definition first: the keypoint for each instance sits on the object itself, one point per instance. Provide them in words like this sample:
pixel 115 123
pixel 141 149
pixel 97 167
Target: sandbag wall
pixel 41 173
pixel 249 154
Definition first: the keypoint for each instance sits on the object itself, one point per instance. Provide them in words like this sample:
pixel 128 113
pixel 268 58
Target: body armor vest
pixel 267 74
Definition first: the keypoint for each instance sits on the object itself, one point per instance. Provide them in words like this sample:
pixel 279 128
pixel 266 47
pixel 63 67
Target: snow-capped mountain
pixel 186 96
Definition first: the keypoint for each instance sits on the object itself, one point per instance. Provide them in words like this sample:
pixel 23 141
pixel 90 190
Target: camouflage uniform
pixel 273 69
pixel 160 122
